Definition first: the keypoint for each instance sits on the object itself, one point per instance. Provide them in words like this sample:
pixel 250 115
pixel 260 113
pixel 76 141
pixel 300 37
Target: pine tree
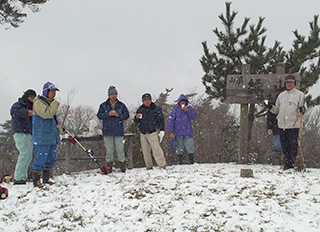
pixel 11 11
pixel 246 44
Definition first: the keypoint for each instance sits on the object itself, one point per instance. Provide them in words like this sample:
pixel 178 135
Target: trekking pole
pixel 69 100
pixel 299 159
pixel 105 169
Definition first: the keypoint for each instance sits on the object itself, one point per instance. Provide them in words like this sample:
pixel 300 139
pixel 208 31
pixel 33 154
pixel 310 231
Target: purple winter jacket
pixel 179 121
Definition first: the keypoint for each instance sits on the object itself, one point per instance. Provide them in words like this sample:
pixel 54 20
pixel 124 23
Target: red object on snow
pixel 3 193
pixel 105 169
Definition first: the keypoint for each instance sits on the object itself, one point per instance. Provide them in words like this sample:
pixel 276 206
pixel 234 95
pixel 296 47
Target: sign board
pixel 245 89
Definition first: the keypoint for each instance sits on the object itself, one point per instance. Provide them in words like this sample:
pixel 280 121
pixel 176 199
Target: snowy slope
pixel 200 197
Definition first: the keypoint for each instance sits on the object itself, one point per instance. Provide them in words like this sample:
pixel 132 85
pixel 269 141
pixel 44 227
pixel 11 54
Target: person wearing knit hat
pixel 288 105
pixel 112 90
pixel 113 112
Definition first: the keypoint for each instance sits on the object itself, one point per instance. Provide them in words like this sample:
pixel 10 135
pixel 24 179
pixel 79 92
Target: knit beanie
pixel 112 90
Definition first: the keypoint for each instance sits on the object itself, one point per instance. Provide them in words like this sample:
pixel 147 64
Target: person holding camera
pixel 150 120
pixel 112 113
pixel 180 128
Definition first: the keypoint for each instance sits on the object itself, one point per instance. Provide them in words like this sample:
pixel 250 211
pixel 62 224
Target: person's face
pixel 182 103
pixel 51 94
pixel 146 102
pixel 290 85
pixel 30 98
pixel 113 97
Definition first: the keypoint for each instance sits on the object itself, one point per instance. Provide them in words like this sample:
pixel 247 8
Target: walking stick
pixel 69 100
pixel 299 159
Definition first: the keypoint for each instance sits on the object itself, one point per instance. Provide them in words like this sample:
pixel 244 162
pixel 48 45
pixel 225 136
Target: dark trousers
pixel 289 144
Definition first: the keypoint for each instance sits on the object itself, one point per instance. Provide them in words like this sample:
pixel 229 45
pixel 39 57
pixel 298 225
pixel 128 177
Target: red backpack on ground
pixel 3 193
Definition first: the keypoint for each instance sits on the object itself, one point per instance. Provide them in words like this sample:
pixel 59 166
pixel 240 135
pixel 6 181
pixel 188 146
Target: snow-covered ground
pixel 200 197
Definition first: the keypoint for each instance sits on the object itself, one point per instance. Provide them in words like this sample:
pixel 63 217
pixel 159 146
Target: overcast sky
pixel 137 45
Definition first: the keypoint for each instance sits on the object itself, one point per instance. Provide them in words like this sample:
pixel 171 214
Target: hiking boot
pixel 36 179
pixel 123 167
pixel 191 158
pixel 38 184
pixel 149 168
pixel 20 182
pixel 46 174
pixel 179 159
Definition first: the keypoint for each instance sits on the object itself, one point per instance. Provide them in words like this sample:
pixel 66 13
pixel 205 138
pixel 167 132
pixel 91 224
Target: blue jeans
pixel 276 143
pixel 45 156
pixel 113 143
pixel 185 144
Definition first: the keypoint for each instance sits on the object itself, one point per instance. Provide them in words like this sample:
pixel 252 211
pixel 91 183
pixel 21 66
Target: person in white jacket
pixel 288 105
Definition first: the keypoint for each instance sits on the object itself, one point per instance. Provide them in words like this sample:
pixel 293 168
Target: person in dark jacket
pixel 21 121
pixel 45 134
pixel 272 126
pixel 112 113
pixel 180 127
pixel 151 125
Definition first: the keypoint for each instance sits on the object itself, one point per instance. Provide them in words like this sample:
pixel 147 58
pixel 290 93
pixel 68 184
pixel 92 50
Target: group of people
pixel 35 125
pixel 151 125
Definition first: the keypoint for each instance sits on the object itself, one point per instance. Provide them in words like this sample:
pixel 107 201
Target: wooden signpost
pixel 255 88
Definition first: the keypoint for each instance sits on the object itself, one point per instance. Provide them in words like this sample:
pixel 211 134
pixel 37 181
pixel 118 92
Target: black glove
pixel 269 106
pixel 302 109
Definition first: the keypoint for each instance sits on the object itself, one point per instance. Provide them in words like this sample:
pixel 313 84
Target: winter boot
pixel 191 158
pixel 36 179
pixel 179 158
pixel 123 166
pixel 110 165
pixel 46 173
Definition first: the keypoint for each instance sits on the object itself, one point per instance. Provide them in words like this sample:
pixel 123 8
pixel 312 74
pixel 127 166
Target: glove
pixel 161 135
pixel 174 142
pixel 269 131
pixel 58 99
pixel 302 109
pixel 270 106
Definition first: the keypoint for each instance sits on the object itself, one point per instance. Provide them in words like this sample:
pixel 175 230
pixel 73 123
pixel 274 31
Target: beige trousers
pixel 151 142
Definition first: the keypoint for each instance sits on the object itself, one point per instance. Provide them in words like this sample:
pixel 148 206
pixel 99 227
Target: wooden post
pixel 130 148
pixel 67 157
pixel 243 135
pixel 280 69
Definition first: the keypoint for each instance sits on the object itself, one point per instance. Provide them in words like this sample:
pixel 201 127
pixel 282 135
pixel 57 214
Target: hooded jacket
pixel 20 120
pixel 179 121
pixel 111 125
pixel 287 107
pixel 44 128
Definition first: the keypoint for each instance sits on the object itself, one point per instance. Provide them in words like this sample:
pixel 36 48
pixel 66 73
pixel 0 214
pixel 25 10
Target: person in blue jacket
pixel 21 121
pixel 112 113
pixel 180 128
pixel 45 134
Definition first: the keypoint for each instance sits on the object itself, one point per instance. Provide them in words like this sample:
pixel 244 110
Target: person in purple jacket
pixel 180 128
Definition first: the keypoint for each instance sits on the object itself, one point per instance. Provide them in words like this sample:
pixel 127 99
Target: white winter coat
pixel 287 107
